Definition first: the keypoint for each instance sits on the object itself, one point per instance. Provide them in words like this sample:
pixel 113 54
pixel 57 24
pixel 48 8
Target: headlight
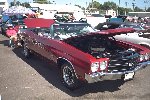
pixel 142 57
pixel 147 56
pixel 103 65
pixel 94 66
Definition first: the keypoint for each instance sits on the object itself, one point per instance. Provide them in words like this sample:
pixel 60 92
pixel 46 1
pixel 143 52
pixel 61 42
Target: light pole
pixel 146 2
pixel 118 8
pixel 126 3
pixel 133 4
pixel 14 2
pixel 92 3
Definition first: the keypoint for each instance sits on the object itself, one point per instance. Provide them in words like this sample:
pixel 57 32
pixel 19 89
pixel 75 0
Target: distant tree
pixel 26 4
pixel 11 4
pixel 122 11
pixel 129 10
pixel 41 1
pixel 109 5
pixel 49 2
pixel 148 10
pixel 80 7
pixel 18 3
pixel 96 6
pixel 137 9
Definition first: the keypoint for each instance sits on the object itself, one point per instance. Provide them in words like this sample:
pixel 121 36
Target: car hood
pixel 113 32
pixel 108 33
pixel 38 22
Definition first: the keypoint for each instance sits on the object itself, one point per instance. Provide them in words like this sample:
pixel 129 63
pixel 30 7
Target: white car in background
pixel 141 36
pixel 95 19
pixel 137 38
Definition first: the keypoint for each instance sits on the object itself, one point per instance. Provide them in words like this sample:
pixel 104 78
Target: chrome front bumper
pixel 100 76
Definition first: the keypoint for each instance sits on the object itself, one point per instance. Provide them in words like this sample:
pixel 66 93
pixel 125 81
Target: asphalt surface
pixel 38 79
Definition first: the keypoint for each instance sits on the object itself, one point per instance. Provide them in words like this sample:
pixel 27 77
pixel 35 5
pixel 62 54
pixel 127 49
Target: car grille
pixel 124 63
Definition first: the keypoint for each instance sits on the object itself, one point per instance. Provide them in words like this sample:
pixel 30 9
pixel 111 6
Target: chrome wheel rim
pixel 68 75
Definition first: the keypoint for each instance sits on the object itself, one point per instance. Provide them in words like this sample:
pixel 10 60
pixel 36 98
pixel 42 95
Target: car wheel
pixel 69 78
pixel 3 32
pixel 26 51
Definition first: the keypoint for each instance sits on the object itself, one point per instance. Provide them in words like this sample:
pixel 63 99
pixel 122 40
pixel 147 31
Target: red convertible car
pixel 83 54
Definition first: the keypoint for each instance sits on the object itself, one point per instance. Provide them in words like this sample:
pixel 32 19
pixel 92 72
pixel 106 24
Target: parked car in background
pixel 95 19
pixel 14 20
pixel 113 25
pixel 140 36
pixel 83 54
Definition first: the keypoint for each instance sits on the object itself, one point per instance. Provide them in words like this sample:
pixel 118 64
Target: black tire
pixel 3 31
pixel 69 78
pixel 26 51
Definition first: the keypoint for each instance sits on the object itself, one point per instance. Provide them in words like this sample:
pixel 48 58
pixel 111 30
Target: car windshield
pixel 77 29
pixel 42 31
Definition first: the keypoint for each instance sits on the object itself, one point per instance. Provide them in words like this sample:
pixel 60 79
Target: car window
pixel 77 29
pixel 45 32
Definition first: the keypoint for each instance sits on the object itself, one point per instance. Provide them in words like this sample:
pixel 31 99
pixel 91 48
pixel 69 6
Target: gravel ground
pixel 38 79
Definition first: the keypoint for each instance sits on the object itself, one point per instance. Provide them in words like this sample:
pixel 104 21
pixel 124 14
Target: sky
pixel 82 3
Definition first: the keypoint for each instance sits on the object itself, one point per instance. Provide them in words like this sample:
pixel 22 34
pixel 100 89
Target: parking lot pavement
pixel 37 79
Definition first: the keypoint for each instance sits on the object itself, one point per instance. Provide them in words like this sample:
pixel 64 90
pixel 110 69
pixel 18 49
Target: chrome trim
pixel 99 76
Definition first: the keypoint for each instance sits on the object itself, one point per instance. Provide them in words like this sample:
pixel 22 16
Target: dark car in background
pixel 141 35
pixel 113 25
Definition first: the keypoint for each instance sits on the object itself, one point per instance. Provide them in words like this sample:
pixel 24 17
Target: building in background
pixel 4 4
pixel 139 14
pixel 49 10
pixel 111 12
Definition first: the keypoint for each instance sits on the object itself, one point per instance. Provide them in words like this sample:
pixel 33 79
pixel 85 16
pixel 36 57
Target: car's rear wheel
pixel 26 51
pixel 68 76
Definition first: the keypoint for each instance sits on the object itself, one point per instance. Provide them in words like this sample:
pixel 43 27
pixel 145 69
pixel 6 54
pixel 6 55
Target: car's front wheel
pixel 68 77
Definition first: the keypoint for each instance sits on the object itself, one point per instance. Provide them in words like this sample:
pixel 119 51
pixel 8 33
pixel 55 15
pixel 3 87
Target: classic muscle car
pixel 83 54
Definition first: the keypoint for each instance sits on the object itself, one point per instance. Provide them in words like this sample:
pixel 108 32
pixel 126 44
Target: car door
pixel 45 48
pixel 41 44
pixel 33 40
